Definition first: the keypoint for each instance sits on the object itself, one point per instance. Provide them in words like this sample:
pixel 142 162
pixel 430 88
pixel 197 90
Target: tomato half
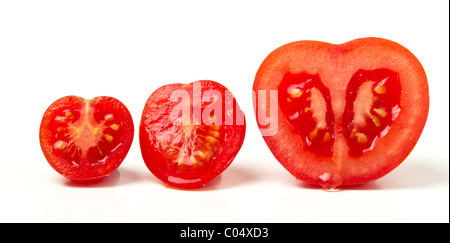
pixel 341 114
pixel 86 140
pixel 190 133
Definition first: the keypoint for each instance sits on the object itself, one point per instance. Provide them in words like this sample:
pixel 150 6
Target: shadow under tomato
pixel 366 186
pixel 412 174
pixel 415 173
pixel 236 176
pixel 231 177
pixel 121 176
pixel 108 181
pixel 128 176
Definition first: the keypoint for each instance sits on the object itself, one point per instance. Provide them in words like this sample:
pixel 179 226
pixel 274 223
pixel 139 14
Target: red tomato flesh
pixel 86 140
pixel 350 113
pixel 190 133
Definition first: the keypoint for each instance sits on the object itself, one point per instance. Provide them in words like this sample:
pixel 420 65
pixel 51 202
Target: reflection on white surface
pixel 86 205
pixel 249 191
pixel 173 205
pixel 87 202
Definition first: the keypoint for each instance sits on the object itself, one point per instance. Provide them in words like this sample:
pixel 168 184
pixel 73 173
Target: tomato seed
pixel 361 138
pixel 381 89
pixel 109 138
pixel 109 117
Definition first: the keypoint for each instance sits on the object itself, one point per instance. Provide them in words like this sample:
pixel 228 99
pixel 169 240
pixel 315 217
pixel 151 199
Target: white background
pixel 127 49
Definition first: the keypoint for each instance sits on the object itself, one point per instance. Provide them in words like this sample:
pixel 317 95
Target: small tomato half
pixel 86 140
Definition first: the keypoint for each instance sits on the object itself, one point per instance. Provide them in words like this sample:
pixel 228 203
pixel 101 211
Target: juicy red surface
pixel 298 113
pixel 61 144
pixel 168 142
pixel 297 110
pixel 389 101
pixel 375 127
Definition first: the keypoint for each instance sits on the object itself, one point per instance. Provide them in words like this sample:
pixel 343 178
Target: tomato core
pixel 86 140
pixel 83 136
pixel 190 146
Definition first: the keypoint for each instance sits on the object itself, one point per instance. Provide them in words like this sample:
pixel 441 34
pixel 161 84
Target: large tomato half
pixel 341 114
pixel 86 140
pixel 190 133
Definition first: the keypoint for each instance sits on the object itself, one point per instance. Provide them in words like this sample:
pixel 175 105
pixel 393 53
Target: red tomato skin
pixel 89 173
pixel 155 120
pixel 336 63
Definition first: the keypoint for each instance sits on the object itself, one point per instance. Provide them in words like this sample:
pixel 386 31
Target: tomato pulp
pixel 190 133
pixel 341 114
pixel 86 140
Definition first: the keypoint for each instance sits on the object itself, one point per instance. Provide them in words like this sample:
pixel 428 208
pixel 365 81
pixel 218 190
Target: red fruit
pixel 86 140
pixel 190 133
pixel 347 114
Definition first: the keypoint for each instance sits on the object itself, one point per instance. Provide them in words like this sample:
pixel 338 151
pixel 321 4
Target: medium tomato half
pixel 190 133
pixel 86 140
pixel 341 114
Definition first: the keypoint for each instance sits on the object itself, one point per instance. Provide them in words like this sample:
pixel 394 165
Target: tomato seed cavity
pixel 372 104
pixel 306 102
pixel 82 137
pixel 194 145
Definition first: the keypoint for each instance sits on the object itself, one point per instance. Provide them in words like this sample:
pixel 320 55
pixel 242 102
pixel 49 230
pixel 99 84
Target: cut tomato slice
pixel 86 140
pixel 190 133
pixel 349 113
